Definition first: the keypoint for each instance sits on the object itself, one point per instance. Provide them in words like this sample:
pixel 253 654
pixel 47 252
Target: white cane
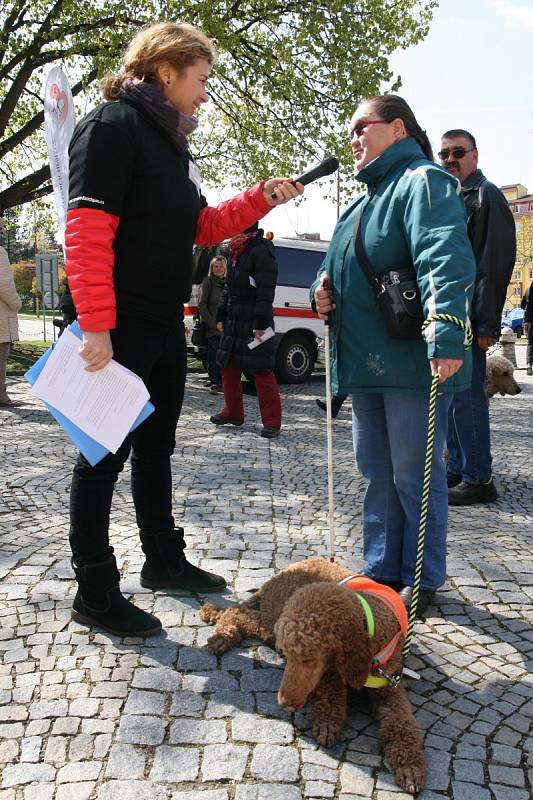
pixel 329 427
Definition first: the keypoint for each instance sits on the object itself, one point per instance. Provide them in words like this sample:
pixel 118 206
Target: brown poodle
pixel 319 627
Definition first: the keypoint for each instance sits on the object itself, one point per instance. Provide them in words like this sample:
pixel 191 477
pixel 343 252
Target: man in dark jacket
pixel 491 231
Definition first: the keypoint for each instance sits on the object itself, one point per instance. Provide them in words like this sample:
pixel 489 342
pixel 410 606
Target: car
pixel 297 325
pixel 514 319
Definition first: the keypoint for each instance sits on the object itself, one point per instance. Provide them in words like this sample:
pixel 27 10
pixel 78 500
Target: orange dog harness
pixel 360 583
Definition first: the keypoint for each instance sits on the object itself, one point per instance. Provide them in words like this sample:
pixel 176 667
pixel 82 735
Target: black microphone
pixel 326 167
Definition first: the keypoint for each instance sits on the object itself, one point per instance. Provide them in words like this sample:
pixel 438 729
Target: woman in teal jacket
pixel 411 214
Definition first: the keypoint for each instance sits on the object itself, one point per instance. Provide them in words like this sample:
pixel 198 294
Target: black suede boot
pixel 99 602
pixel 167 568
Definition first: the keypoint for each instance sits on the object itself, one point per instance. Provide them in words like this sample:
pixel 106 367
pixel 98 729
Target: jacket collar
pixel 474 181
pixel 398 155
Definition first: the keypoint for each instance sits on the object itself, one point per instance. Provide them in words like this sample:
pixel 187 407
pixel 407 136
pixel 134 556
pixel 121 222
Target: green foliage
pixel 287 80
pixel 23 275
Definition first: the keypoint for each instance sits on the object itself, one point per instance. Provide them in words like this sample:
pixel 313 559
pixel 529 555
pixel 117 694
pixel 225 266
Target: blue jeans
pixel 390 434
pixel 468 427
pixel 213 370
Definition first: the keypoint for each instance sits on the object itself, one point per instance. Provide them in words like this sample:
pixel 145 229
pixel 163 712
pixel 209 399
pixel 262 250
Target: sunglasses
pixel 359 127
pixel 456 152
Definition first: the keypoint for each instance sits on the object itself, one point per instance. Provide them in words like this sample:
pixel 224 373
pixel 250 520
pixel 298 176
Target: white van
pixel 297 326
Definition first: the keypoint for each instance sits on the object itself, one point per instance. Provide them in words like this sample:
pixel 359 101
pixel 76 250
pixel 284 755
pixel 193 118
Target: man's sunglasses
pixel 457 152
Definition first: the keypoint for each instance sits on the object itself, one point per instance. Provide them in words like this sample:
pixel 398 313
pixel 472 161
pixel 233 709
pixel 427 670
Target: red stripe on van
pixel 302 313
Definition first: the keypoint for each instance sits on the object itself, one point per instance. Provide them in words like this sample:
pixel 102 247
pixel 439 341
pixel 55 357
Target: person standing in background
pixel 492 234
pixel 527 305
pixel 9 332
pixel 210 296
pixel 244 314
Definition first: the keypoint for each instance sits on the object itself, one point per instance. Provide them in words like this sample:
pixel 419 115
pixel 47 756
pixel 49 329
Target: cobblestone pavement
pixel 86 715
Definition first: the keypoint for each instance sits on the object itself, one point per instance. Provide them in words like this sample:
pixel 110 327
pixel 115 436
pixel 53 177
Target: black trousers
pixel 158 355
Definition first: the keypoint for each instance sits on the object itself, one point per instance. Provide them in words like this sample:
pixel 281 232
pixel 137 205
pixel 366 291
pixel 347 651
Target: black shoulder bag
pixel 397 294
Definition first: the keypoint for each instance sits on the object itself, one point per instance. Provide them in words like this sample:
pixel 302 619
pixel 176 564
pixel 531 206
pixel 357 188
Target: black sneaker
pixel 467 494
pixel 269 433
pixel 452 479
pixel 425 599
pixel 218 419
pixel 335 408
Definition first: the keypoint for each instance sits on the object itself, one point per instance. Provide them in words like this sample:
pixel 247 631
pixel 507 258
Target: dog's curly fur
pixel 500 376
pixel 319 627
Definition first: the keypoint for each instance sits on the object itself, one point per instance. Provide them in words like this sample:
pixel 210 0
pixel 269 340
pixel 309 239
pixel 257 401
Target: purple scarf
pixel 175 125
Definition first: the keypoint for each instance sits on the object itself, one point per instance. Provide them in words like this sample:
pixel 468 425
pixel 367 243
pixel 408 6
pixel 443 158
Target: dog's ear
pixel 353 656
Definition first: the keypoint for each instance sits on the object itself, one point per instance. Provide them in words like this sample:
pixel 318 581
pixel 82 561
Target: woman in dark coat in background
pixel 210 296
pixel 244 314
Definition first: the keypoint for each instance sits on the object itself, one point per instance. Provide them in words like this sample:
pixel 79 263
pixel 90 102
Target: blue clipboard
pixel 93 451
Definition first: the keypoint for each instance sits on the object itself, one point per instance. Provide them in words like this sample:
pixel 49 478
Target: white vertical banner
pixel 59 124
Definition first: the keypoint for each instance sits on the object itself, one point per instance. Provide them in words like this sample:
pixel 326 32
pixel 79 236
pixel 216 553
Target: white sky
pixel 472 71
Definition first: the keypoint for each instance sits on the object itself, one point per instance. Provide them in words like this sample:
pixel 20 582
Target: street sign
pixel 46 272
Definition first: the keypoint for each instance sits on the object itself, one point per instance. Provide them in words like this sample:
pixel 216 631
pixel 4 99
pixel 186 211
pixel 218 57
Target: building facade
pixel 521 204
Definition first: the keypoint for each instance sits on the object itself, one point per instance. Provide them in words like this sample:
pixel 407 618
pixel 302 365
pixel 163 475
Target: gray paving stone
pixel 131 790
pixel 195 731
pixel 125 761
pixel 229 704
pixel 318 789
pixel 225 762
pixel 469 791
pixel 437 769
pixel 19 774
pixel 261 680
pixel 356 779
pixel 141 730
pixel 248 728
pixel 175 764
pixel 187 704
pixel 203 794
pixel 81 771
pixel 274 762
pixel 509 776
pixel 141 702
pixel 48 709
pixel 209 682
pixel 75 791
pixel 268 791
pixel 502 754
pixel 468 771
pixel 507 793
pixel 39 791
pixel 84 707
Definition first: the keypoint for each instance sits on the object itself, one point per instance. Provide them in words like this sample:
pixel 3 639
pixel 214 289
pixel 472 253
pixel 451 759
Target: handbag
pixel 397 294
pixel 199 333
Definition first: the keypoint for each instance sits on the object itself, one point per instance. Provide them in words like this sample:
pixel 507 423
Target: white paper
pixel 104 404
pixel 255 342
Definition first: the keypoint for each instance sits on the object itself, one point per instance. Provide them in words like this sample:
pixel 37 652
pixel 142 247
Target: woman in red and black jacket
pixel 135 211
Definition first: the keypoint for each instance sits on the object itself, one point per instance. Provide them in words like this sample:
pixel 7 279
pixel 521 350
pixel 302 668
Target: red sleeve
pixel 89 260
pixel 232 216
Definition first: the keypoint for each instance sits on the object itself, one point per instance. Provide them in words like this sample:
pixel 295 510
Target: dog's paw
pixel 410 778
pixel 210 613
pixel 326 733
pixel 218 643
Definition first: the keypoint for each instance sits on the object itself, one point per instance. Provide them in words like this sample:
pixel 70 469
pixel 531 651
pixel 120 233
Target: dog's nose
pixel 290 705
